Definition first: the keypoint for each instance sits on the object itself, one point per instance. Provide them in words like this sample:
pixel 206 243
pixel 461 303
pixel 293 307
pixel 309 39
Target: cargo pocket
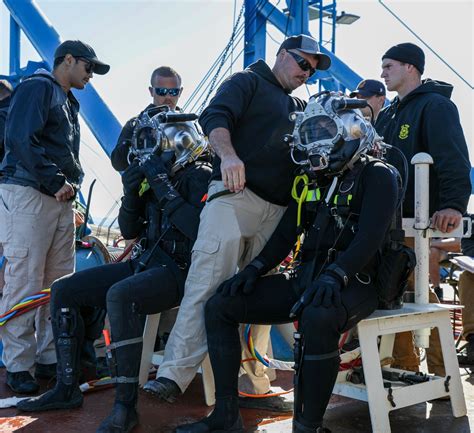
pixel 203 262
pixel 17 262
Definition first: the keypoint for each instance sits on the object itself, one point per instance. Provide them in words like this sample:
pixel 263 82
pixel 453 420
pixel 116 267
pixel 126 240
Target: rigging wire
pixel 233 24
pixel 425 44
pixel 241 51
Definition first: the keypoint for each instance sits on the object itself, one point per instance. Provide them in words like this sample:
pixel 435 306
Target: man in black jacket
pixel 346 207
pixel 6 90
pixel 165 89
pixel 250 188
pixel 422 118
pixel 39 177
pixel 165 221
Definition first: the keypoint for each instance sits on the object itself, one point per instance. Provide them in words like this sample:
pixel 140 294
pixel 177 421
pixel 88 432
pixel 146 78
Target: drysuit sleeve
pixel 184 211
pixel 448 148
pixel 120 153
pixel 379 194
pixel 229 104
pixel 26 120
pixel 131 216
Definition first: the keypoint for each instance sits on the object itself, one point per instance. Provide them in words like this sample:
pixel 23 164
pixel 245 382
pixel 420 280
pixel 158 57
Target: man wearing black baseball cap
pixel 422 118
pixel 373 92
pixel 41 171
pixel 81 51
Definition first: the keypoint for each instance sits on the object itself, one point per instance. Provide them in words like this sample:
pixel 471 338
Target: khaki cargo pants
pixel 37 234
pixel 406 355
pixel 233 230
pixel 466 296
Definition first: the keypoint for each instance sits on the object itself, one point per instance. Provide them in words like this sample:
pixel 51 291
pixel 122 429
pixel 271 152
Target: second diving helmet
pixel 172 135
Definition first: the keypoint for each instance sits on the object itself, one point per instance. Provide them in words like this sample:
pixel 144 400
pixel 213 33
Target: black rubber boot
pixel 122 419
pixel 66 394
pixel 126 348
pixel 224 419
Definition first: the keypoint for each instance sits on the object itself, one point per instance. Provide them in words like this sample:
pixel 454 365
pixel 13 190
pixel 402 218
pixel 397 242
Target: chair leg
pixel 208 382
pixel 149 337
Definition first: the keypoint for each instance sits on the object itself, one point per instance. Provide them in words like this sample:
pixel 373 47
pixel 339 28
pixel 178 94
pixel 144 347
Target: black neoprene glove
pixel 157 175
pixel 325 290
pixel 245 281
pixel 132 178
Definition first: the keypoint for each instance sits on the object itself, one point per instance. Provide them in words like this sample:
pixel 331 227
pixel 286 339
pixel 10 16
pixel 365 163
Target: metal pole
pixel 422 162
pixel 14 47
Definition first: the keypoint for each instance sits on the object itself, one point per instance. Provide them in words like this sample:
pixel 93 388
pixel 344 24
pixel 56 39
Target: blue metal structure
pixel 294 20
pixel 25 16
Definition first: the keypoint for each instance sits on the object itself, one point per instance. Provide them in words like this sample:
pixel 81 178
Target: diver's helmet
pixel 178 143
pixel 329 137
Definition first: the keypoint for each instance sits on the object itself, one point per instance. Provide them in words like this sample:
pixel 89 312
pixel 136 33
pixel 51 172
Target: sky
pixel 135 37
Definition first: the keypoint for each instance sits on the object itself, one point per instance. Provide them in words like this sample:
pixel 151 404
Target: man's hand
pixel 65 193
pixel 325 291
pixel 232 167
pixel 153 167
pixel 446 220
pixel 233 173
pixel 132 178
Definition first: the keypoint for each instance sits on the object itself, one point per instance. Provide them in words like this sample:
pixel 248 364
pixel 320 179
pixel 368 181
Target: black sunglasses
pixel 89 66
pixel 163 91
pixel 303 63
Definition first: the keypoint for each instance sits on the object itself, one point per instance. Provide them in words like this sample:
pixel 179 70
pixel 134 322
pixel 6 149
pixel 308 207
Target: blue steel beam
pixel 255 33
pixel 14 47
pixel 97 115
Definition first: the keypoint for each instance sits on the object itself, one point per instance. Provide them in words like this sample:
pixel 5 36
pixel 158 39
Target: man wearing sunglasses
pixel 165 89
pixel 250 188
pixel 39 177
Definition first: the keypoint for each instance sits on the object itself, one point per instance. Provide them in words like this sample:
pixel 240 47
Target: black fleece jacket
pixel 254 108
pixel 4 104
pixel 426 120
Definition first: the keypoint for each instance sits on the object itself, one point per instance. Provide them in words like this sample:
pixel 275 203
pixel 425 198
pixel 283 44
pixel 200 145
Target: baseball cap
pixel 307 44
pixel 81 49
pixel 369 88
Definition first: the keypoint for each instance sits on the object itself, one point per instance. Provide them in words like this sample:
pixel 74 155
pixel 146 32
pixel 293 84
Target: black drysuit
pixel 357 246
pixel 129 296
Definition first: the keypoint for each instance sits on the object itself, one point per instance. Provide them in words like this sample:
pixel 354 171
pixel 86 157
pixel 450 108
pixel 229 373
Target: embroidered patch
pixel 404 131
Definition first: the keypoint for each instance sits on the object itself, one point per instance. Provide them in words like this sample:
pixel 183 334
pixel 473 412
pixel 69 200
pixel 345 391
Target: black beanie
pixel 407 53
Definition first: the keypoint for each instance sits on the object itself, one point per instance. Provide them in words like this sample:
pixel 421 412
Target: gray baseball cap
pixel 307 44
pixel 81 49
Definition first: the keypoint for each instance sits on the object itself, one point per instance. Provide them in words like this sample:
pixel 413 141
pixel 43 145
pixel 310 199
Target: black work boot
pixel 225 418
pixel 164 388
pixel 66 394
pixel 22 382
